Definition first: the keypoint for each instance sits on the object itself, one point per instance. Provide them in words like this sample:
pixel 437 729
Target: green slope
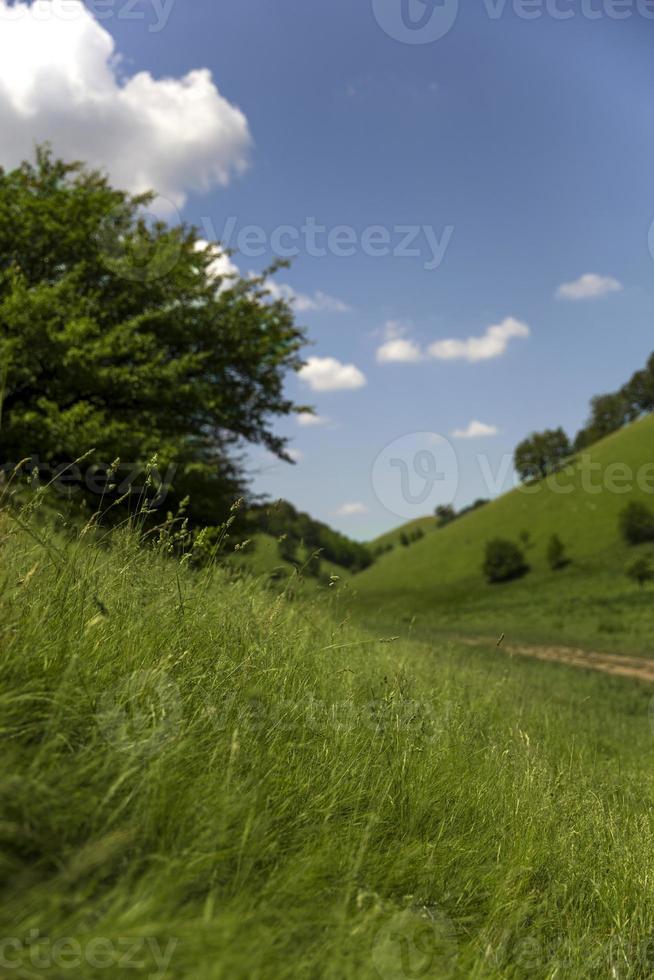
pixel 203 780
pixel 439 579
pixel 261 558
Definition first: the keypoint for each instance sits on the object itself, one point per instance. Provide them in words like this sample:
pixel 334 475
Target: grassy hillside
pixel 439 579
pixel 261 557
pixel 200 779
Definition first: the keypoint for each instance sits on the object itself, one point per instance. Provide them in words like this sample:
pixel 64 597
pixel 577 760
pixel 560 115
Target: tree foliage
pixel 282 520
pixel 557 557
pixel 637 523
pixel 541 453
pixel 117 335
pixel 612 411
pixel 504 561
pixel 641 571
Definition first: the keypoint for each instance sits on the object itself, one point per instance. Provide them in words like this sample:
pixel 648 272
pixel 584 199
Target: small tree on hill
pixel 637 523
pixel 504 561
pixel 445 514
pixel 641 571
pixel 541 454
pixel 556 554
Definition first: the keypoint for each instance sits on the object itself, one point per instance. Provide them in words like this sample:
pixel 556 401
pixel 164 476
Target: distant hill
pixel 439 579
pixel 284 541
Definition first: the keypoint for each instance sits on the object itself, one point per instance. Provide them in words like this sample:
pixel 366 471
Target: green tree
pixel 504 561
pixel 641 571
pixel 287 549
pixel 640 389
pixel 117 335
pixel 541 453
pixel 556 554
pixel 637 523
pixel 445 514
pixel 608 413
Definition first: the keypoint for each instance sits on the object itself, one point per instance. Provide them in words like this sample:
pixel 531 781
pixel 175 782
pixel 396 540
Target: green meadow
pixel 437 583
pixel 205 778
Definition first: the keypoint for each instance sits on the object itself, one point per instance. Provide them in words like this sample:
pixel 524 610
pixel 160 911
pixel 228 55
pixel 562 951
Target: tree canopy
pixel 541 453
pixel 118 335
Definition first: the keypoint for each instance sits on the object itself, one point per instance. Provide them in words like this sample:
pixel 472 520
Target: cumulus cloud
pixel 397 347
pixel 590 286
pixel 475 430
pixel 62 81
pixel 329 374
pixel 224 268
pixel 493 343
pixel 351 510
pixel 221 266
pixel 319 302
pixel 309 419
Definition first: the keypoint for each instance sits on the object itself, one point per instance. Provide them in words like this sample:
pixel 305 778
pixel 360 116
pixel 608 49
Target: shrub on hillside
pixel 556 554
pixel 504 561
pixel 637 523
pixel 641 571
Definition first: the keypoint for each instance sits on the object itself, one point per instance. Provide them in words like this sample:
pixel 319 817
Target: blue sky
pixel 526 146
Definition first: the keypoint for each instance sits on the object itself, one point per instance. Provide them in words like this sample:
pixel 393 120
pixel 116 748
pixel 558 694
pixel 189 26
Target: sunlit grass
pixel 240 785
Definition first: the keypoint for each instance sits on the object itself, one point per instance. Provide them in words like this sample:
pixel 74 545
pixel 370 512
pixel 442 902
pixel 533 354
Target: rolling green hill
pixel 202 779
pixel 438 581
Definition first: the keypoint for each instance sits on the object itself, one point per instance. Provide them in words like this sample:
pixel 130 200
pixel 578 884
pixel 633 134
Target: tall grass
pixel 200 779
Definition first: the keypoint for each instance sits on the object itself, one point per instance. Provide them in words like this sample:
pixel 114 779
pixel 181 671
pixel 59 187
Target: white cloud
pixel 295 454
pixel 329 374
pixel 590 286
pixel 475 430
pixel 318 303
pixel 224 268
pixel 308 419
pixel 61 80
pixel 351 510
pixel 492 344
pixel 399 351
pixel 221 266
pixel 397 347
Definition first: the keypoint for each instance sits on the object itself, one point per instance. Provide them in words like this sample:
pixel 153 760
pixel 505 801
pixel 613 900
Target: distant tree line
pixel 445 513
pixel 544 452
pixel 295 528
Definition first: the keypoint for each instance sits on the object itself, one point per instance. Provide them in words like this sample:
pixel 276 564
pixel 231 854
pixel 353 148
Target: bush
pixel 637 523
pixel 556 556
pixel 641 571
pixel 504 561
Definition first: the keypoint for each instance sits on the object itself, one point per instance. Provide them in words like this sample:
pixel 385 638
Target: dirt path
pixel 609 663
